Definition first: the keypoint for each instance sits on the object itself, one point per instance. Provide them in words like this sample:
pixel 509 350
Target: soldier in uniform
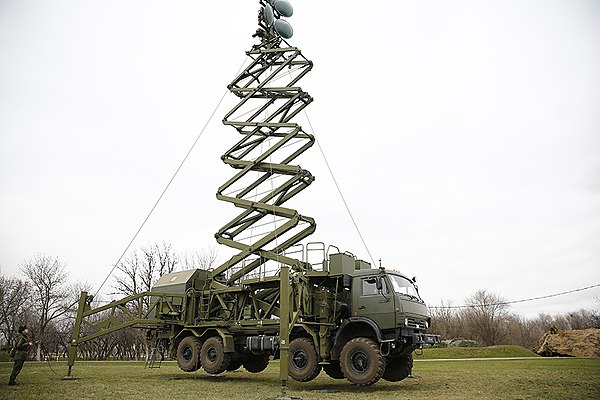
pixel 21 348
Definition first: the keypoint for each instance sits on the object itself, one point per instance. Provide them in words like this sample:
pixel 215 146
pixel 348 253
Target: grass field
pixel 474 352
pixel 535 378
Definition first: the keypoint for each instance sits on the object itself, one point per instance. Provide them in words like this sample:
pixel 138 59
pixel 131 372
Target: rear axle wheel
pixel 256 364
pixel 235 364
pixel 188 354
pixel 398 368
pixel 333 370
pixel 213 356
pixel 303 364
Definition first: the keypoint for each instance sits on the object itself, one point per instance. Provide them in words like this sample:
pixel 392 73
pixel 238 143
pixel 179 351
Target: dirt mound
pixel 574 343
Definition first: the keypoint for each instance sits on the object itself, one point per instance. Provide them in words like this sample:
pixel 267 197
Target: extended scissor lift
pixel 265 232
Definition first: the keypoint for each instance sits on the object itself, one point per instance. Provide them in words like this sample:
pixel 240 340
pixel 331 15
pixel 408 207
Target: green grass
pixel 474 352
pixel 535 378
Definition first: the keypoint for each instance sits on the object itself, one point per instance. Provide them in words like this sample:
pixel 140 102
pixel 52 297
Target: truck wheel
pixel 303 361
pixel 398 368
pixel 235 364
pixel 333 370
pixel 188 354
pixel 213 356
pixel 256 364
pixel 361 362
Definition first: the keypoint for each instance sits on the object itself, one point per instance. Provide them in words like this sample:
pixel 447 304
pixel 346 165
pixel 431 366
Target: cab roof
pixel 377 271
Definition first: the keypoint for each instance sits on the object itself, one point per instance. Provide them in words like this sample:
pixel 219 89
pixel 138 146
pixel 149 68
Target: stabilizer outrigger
pixel 91 323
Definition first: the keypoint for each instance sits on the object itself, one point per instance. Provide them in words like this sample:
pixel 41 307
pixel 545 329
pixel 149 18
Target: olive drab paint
pixel 311 305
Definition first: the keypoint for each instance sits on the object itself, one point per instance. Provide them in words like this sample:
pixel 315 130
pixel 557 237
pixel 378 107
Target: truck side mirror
pixel 378 284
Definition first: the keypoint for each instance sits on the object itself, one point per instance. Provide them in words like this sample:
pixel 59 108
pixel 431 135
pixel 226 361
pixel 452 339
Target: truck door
pixel 374 300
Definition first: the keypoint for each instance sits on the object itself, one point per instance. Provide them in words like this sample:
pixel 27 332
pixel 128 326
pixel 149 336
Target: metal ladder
pixel 156 351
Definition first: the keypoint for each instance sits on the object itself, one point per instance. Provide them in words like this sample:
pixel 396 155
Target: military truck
pixel 312 306
pixel 349 319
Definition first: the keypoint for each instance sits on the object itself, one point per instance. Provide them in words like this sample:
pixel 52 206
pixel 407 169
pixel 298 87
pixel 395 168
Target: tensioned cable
pixel 168 185
pixel 519 301
pixel 339 190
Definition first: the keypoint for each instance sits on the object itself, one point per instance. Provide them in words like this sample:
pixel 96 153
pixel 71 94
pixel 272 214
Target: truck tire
pixel 188 354
pixel 303 361
pixel 362 362
pixel 333 370
pixel 398 368
pixel 235 364
pixel 213 357
pixel 256 364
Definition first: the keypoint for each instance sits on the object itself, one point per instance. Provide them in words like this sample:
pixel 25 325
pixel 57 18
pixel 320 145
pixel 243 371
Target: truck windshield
pixel 404 286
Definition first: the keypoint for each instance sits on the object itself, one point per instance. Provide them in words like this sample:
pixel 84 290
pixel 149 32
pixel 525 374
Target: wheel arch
pixel 351 328
pixel 301 330
pixel 175 340
pixel 204 334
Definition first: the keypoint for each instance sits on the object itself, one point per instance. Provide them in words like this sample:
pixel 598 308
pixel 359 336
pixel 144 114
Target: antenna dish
pixel 283 7
pixel 283 28
pixel 268 13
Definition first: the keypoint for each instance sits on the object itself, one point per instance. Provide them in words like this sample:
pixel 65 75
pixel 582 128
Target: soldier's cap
pixel 22 328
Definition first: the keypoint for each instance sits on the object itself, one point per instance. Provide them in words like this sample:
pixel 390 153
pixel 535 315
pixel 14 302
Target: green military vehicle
pixel 270 300
pixel 347 318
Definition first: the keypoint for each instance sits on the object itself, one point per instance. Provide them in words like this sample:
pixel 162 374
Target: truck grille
pixel 415 323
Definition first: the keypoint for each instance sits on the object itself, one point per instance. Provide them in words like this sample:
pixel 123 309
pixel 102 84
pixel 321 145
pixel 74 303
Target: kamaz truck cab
pixel 392 302
pixel 387 321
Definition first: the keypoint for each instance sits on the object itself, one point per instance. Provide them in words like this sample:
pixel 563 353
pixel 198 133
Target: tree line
pixel 46 301
pixel 487 319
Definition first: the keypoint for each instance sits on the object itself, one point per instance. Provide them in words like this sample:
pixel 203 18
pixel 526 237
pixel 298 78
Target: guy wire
pixel 167 186
pixel 340 190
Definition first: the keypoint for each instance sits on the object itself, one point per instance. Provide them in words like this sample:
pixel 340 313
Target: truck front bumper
pixel 424 338
pixel 415 337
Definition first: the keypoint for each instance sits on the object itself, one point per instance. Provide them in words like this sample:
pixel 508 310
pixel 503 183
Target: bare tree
pixel 524 332
pixel 137 273
pixel 166 258
pixel 14 307
pixel 141 268
pixel 444 320
pixel 583 319
pixel 128 281
pixel 49 292
pixel 148 271
pixel 486 317
pixel 201 259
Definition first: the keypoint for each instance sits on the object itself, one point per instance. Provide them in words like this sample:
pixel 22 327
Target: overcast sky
pixel 465 135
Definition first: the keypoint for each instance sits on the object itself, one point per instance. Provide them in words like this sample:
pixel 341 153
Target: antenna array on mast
pixel 271 141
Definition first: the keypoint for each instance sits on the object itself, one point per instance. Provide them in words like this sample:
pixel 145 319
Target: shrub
pixel 463 343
